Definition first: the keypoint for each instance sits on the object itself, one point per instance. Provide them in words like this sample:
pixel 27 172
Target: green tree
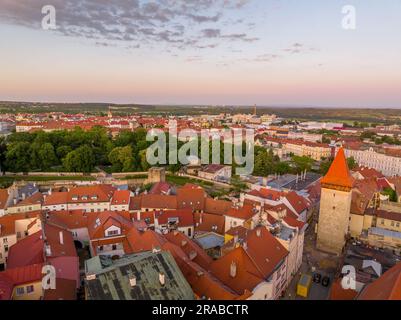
pixel 351 163
pixel 62 151
pixel 18 157
pixel 302 163
pixel 122 159
pixel 80 160
pixel 47 156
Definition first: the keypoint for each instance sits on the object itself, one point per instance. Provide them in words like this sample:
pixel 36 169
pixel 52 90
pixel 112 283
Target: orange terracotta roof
pixel 246 212
pixel 88 194
pixel 185 217
pixel 55 198
pixel 338 293
pixel 338 174
pixel 26 251
pixel 190 248
pixel 58 249
pixel 25 274
pixel 387 287
pixel 217 206
pixel 65 290
pixel 121 197
pixel 205 222
pixel 247 275
pixel 193 198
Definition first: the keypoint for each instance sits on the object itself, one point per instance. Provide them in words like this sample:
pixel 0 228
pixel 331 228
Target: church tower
pixel 335 206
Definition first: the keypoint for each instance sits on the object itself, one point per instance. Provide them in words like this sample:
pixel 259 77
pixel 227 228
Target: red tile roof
pixel 26 251
pixel 6 287
pixel 219 207
pixel 88 194
pixel 338 174
pixel 185 217
pixel 65 290
pixel 205 222
pixel 55 198
pixel 190 248
pixel 245 212
pixel 121 197
pixel 387 287
pixel 337 292
pixel 191 198
pixel 58 249
pixel 247 276
pixel 107 219
pixel 25 274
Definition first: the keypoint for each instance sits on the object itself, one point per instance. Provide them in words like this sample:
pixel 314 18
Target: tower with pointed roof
pixel 335 206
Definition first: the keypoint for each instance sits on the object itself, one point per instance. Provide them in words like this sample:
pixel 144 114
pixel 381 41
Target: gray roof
pixel 112 280
pixel 210 240
pixel 385 232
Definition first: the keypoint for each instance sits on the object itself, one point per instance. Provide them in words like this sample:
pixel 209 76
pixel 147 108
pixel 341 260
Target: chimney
pixel 61 237
pixel 50 191
pixel 23 196
pixel 201 218
pixel 245 245
pixel 233 269
pixel 162 278
pixel 258 232
pixel 132 281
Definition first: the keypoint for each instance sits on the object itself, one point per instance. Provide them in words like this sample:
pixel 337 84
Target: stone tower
pixel 156 175
pixel 335 205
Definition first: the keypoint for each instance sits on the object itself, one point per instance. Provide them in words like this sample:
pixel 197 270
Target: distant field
pixel 300 113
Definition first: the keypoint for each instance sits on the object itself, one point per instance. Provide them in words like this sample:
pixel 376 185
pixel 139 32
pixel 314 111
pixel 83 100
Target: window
pixel 113 232
pixel 189 232
pixel 5 248
pixel 20 291
pixel 100 248
pixel 5 240
pixel 114 247
pixel 30 289
pixel 392 223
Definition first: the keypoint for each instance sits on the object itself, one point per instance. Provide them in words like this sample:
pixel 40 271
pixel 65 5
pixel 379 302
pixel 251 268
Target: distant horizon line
pixel 278 106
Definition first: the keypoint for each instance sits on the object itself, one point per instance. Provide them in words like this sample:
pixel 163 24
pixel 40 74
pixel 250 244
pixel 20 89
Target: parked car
pixel 325 281
pixel 317 277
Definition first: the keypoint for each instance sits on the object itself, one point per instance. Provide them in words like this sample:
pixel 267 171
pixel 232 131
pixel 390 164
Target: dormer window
pixel 74 198
pixel 84 198
pixel 94 197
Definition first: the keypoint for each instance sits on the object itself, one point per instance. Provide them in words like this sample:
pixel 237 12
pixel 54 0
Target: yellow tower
pixel 335 206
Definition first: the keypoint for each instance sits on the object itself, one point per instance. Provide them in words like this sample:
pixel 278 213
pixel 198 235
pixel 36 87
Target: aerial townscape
pixel 199 157
pixel 78 195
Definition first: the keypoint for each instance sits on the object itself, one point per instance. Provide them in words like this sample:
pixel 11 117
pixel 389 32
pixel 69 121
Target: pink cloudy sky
pixel 239 52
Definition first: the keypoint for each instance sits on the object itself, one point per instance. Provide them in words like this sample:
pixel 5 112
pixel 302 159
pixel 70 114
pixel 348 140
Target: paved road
pixel 314 261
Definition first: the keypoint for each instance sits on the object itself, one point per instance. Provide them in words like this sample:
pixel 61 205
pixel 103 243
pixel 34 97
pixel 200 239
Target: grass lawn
pixel 44 178
pixel 180 181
